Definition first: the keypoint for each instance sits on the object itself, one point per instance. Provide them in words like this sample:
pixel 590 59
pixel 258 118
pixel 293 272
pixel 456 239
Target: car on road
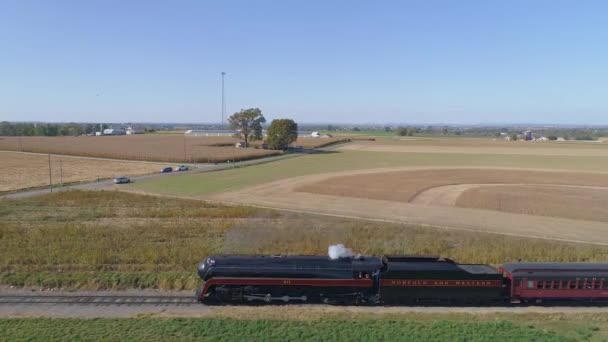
pixel 121 180
pixel 181 168
pixel 166 169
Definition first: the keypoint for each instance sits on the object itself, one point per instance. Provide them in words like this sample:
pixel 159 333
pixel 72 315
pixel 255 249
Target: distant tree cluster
pixel 43 129
pixel 406 131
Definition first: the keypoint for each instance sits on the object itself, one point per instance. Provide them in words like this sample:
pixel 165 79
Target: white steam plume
pixel 339 251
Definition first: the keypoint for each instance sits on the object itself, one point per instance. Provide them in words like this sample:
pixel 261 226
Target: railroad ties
pixel 97 300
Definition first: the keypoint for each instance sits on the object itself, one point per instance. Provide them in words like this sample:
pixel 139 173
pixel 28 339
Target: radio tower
pixel 223 100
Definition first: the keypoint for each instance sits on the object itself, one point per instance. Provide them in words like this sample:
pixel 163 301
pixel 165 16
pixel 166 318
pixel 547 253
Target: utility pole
pixel 50 174
pixel 185 155
pixel 223 100
pixel 61 172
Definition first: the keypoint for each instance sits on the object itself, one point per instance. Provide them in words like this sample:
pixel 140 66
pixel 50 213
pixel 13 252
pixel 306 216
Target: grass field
pixel 339 160
pixel 23 170
pixel 115 240
pixel 331 329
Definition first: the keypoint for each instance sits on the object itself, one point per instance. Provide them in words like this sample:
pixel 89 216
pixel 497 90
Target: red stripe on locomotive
pixel 286 282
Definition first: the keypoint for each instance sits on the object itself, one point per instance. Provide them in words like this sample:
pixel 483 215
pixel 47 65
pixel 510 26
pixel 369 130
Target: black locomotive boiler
pixel 386 280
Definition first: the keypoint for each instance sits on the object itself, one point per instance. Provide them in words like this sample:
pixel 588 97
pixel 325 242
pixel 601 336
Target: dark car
pixel 166 169
pixel 121 180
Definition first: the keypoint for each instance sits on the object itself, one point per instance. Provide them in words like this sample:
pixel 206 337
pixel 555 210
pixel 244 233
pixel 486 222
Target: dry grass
pixel 23 170
pixel 162 148
pixel 96 240
pixel 566 202
pixel 404 186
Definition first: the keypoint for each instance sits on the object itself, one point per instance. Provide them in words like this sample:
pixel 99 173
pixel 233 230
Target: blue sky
pixel 316 61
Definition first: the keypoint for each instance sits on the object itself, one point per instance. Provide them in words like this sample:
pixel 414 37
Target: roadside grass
pixel 116 240
pixel 218 329
pixel 333 161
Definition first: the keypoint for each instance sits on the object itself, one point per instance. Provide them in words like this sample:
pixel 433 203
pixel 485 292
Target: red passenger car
pixel 557 282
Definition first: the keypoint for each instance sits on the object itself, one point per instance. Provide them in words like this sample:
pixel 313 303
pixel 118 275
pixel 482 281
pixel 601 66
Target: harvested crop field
pixel 579 203
pixel 482 146
pixel 161 148
pixel 357 194
pixel 405 186
pixel 25 170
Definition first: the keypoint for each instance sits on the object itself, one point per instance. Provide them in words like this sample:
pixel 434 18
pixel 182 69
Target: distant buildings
pixel 135 130
pixel 114 131
pixel 210 132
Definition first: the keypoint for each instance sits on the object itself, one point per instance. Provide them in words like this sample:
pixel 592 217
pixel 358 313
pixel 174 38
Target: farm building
pixel 211 132
pixel 114 131
pixel 135 130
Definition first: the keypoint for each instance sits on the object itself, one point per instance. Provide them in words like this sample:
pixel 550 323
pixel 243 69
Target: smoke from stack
pixel 339 251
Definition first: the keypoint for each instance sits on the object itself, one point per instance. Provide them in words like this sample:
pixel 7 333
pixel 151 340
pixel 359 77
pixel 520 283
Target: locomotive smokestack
pixel 339 251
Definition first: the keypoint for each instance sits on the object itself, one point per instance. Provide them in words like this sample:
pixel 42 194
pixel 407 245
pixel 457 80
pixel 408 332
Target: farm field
pixel 439 327
pixel 25 170
pixel 151 147
pixel 160 148
pixel 482 146
pixel 341 182
pixel 562 194
pixel 115 240
pixel 576 203
pixel 343 160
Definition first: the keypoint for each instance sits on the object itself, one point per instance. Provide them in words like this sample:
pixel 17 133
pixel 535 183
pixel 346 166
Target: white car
pixel 181 168
pixel 121 180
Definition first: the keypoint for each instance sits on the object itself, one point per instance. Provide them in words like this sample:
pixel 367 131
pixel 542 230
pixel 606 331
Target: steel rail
pixel 98 299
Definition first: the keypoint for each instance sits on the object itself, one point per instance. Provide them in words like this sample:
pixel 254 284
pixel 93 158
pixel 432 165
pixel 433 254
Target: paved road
pixel 196 168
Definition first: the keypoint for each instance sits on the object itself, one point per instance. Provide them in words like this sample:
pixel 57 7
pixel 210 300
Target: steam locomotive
pixel 395 280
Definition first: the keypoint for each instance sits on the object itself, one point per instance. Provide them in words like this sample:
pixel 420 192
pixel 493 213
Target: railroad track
pixel 97 300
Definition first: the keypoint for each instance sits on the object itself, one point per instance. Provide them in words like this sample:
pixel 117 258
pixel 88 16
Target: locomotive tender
pixel 395 280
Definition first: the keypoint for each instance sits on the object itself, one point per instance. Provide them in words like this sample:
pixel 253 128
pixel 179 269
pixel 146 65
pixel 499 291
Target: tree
pixel 281 133
pixel 404 131
pixel 249 124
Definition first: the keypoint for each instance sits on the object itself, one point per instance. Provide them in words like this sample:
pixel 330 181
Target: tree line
pixel 46 129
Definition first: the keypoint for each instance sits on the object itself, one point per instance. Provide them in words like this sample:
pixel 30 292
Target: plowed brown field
pixel 483 146
pixel 162 148
pixel 579 203
pixel 404 186
pixel 151 147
